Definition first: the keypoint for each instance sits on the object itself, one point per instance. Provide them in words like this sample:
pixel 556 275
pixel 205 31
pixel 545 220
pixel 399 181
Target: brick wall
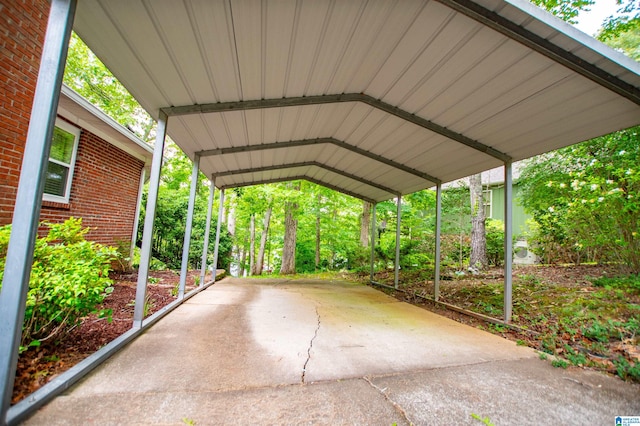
pixel 104 191
pixel 22 28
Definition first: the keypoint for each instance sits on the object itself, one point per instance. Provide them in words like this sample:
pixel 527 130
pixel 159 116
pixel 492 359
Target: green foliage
pixel 626 370
pixel 88 76
pixel 628 283
pixel 575 357
pixel 154 265
pixel 495 242
pixel 616 27
pixel 626 41
pixel 567 10
pixel 122 261
pixel 486 421
pixel 69 279
pixel 584 199
pixel 171 216
pixel 559 363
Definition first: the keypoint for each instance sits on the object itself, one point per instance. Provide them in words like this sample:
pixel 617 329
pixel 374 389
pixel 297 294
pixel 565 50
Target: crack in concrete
pixel 397 406
pixel 304 367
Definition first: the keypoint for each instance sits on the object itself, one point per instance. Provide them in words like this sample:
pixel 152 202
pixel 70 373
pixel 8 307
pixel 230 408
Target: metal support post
pixel 218 227
pixel 508 241
pixel 147 233
pixel 373 238
pixel 136 221
pixel 187 229
pixel 436 272
pixel 207 230
pixel 397 266
pixel 15 283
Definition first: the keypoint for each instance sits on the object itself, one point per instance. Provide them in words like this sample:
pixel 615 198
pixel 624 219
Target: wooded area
pixel 302 227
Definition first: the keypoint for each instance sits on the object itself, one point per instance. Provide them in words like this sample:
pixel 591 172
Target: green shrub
pixel 495 242
pixel 154 264
pixel 69 279
pixel 630 282
pixel 626 370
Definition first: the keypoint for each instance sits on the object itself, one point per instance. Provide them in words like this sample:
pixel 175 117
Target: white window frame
pixel 72 165
pixel 487 200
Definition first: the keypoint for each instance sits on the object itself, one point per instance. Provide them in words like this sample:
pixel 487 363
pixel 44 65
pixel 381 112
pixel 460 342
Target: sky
pixel 590 22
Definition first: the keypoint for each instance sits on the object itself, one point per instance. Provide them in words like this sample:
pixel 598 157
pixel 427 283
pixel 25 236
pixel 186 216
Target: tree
pixel 627 21
pixel 252 245
pixel 263 241
pixel 290 230
pixel 567 10
pixel 478 256
pixel 585 199
pixel 88 76
pixel 365 222
pixel 628 42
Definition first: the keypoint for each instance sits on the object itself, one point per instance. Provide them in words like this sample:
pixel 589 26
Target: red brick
pixel 105 184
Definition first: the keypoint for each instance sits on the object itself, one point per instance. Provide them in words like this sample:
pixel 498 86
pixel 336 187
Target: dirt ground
pixel 38 366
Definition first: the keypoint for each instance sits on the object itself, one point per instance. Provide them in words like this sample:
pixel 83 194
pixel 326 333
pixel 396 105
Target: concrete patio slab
pixel 321 352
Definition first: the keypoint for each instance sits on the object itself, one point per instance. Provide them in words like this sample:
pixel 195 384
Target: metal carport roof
pixel 374 98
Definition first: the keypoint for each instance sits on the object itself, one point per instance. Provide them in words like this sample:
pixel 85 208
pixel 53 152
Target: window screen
pixel 60 167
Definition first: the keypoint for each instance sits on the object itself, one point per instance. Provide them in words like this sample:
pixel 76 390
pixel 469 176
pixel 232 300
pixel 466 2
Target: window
pixel 62 158
pixel 486 200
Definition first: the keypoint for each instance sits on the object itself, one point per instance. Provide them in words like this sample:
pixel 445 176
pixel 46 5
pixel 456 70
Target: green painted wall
pixel 497 208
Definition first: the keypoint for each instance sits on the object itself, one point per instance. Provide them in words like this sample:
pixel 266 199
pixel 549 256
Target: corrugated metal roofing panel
pixel 487 73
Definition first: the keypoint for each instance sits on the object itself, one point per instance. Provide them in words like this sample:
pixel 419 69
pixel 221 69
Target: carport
pixel 375 99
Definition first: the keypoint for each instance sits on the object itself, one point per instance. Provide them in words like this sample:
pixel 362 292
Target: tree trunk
pixel 231 223
pixel 242 255
pixel 290 230
pixel 252 244
pixel 289 249
pixel 263 241
pixel 478 257
pixel 365 223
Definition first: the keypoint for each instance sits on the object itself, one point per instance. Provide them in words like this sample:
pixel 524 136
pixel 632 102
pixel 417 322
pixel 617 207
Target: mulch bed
pixel 39 365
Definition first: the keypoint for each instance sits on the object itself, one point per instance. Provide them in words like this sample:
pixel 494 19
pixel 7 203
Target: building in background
pixel 96 167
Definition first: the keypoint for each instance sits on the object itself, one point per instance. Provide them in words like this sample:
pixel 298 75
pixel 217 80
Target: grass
pixel 594 324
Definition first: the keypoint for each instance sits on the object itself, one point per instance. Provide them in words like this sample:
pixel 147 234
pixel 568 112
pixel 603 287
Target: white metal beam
pixel 310 164
pixel 396 277
pixel 207 231
pixel 308 142
pixel 15 282
pixel 216 249
pixel 508 243
pixel 150 214
pixel 188 226
pixel 374 229
pixel 436 272
pixel 328 99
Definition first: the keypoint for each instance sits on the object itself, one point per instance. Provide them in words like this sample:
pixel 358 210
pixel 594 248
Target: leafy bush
pixel 495 242
pixel 154 264
pixel 584 197
pixel 626 370
pixel 69 279
pixel 629 283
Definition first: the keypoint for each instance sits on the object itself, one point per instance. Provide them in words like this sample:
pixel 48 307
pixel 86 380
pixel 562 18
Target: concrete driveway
pixel 248 352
